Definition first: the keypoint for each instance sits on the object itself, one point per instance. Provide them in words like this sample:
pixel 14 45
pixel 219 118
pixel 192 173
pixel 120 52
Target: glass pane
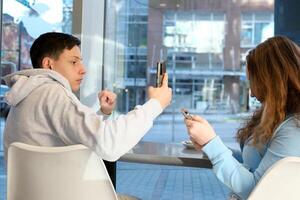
pixel 22 22
pixel 246 34
pixel 137 35
pixel 192 42
pixel 263 16
pixel 184 16
pixel 203 45
pixel 247 16
pixel 202 16
pixel 219 16
pixel 262 32
pixel 169 16
pixel 217 61
pixel 257 29
pixel 202 60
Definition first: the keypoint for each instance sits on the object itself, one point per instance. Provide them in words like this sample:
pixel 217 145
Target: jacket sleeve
pixel 235 175
pixel 109 138
pixel 105 116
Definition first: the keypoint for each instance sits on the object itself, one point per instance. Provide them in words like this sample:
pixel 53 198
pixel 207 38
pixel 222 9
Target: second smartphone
pixel 160 70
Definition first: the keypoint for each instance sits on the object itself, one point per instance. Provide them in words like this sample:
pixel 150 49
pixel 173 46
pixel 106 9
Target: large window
pixel 204 56
pixel 22 22
pixel 127 52
pixel 204 44
pixel 190 50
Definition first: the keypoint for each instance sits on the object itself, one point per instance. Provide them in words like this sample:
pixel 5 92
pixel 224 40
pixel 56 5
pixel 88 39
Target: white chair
pixel 56 173
pixel 281 181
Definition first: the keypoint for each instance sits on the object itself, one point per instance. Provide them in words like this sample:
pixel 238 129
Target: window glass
pixel 204 45
pixel 22 22
pixel 205 58
pixel 256 27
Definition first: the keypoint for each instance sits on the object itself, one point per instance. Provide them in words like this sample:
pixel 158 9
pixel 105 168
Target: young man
pixel 45 112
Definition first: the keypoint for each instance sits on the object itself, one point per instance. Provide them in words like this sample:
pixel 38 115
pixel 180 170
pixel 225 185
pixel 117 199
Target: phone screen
pixel 160 70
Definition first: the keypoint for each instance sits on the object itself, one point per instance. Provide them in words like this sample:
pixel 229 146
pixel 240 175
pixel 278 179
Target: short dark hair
pixel 51 44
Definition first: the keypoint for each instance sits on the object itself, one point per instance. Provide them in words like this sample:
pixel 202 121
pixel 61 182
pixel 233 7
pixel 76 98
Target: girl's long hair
pixel 273 69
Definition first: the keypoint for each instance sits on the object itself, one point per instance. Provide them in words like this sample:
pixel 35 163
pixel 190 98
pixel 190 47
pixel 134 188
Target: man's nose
pixel 82 71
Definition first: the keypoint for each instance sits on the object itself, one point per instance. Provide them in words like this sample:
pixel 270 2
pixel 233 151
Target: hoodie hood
pixel 22 83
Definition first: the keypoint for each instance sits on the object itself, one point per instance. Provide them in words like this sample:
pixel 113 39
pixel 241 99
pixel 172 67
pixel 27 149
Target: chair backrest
pixel 60 173
pixel 281 181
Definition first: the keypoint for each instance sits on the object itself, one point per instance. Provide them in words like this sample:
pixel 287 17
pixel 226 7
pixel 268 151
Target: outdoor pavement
pixel 153 182
pixel 161 182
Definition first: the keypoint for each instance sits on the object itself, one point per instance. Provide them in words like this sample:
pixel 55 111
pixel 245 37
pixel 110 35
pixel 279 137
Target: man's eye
pixel 74 62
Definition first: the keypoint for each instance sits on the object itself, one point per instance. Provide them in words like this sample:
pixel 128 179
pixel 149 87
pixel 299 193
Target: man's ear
pixel 47 63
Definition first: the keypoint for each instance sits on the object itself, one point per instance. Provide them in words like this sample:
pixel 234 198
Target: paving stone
pixel 170 182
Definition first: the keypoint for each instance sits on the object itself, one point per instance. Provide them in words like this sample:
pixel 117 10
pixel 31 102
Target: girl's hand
pixel 199 130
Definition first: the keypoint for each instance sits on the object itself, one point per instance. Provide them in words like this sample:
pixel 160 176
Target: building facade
pixel 204 44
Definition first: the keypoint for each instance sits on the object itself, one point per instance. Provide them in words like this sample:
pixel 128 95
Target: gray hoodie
pixel 45 112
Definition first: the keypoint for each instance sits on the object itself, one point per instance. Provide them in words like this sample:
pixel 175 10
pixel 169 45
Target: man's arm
pixel 110 139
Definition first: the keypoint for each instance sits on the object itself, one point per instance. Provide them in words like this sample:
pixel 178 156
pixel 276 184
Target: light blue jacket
pixel 241 178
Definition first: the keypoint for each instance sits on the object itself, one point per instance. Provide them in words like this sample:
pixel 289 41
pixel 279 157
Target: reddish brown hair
pixel 274 75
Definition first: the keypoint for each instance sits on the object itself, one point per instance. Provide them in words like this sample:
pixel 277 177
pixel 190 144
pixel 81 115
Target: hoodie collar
pixel 24 82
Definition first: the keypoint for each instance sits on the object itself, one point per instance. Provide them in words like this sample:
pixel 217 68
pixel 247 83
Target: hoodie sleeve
pixel 105 116
pixel 77 124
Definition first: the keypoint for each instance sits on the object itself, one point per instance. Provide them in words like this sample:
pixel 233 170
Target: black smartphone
pixel 160 70
pixel 186 114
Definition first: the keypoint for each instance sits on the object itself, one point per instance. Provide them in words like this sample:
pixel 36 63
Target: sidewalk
pixel 155 182
pixel 2 179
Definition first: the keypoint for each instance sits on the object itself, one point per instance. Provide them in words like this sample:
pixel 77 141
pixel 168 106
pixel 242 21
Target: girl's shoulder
pixel 290 125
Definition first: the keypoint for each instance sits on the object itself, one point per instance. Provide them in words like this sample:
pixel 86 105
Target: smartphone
pixel 186 114
pixel 160 70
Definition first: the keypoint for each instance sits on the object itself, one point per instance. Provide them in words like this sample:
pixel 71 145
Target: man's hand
pixel 107 101
pixel 163 94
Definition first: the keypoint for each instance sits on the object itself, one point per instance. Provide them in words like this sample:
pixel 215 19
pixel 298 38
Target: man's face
pixel 69 64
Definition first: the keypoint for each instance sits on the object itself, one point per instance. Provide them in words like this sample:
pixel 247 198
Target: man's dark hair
pixel 51 44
